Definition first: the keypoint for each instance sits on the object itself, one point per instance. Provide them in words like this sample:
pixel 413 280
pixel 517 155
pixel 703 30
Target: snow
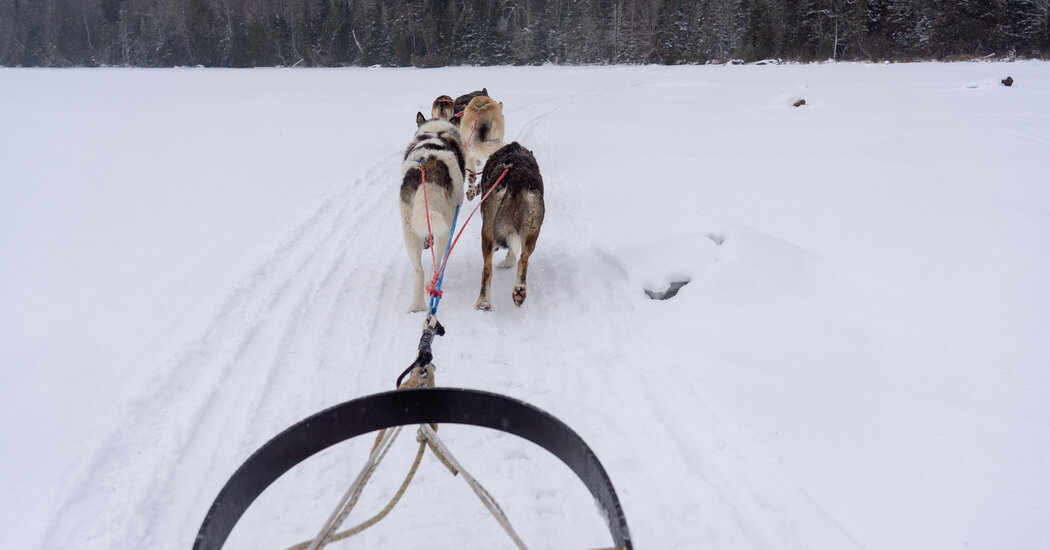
pixel 192 260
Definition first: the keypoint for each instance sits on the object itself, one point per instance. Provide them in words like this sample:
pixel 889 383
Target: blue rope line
pixel 435 299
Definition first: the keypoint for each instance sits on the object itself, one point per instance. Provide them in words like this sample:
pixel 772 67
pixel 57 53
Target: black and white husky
pixel 437 151
pixel 511 216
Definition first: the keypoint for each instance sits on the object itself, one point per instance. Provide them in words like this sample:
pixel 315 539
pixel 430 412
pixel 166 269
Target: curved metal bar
pixel 404 407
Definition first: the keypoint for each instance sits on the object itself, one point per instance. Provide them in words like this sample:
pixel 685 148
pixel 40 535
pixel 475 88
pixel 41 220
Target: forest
pixel 433 33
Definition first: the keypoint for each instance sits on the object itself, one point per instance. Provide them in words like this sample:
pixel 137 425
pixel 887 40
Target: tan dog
pixel 444 107
pixel 482 131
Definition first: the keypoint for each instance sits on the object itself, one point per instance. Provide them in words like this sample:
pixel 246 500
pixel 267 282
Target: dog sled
pixel 422 405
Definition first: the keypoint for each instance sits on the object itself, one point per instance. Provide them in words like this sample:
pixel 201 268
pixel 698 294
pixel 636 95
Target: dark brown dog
pixel 511 216
pixel 460 105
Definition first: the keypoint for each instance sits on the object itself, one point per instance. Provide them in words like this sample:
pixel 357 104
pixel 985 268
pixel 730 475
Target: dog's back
pixel 519 209
pixel 435 150
pixel 482 123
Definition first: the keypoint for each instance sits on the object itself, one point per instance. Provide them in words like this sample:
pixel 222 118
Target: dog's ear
pixel 485 91
pixel 501 106
pixel 420 119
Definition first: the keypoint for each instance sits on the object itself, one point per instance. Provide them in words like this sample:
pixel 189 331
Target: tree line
pixel 427 33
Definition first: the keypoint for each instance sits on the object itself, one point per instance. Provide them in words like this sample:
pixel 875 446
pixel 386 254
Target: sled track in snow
pixel 220 385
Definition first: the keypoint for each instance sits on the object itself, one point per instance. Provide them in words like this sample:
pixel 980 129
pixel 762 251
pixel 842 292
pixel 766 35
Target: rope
pixel 424 377
pixel 484 495
pixel 433 288
pixel 426 208
pixel 382 514
pixel 353 493
pixel 426 436
pixel 439 276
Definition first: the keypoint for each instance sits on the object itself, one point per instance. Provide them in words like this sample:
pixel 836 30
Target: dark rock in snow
pixel 671 291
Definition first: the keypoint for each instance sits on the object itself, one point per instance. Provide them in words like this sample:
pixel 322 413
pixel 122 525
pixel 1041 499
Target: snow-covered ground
pixel 193 260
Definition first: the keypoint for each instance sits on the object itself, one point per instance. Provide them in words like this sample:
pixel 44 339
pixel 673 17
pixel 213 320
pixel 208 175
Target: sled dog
pixel 444 107
pixel 461 102
pixel 511 216
pixel 436 150
pixel 482 131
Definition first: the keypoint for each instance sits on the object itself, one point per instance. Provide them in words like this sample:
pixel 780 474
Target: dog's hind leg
pixel 414 246
pixel 488 242
pixel 472 178
pixel 520 287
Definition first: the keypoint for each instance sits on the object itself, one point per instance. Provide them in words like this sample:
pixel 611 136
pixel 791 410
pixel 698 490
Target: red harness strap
pixel 426 208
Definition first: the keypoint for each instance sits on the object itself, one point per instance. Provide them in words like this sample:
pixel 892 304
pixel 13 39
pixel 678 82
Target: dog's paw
pixel 417 307
pixel 519 295
pixel 472 191
pixel 507 262
pixel 472 179
pixel 483 305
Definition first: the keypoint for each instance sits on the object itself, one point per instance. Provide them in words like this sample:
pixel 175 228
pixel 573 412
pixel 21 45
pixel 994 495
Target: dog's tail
pixel 444 107
pixel 513 242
